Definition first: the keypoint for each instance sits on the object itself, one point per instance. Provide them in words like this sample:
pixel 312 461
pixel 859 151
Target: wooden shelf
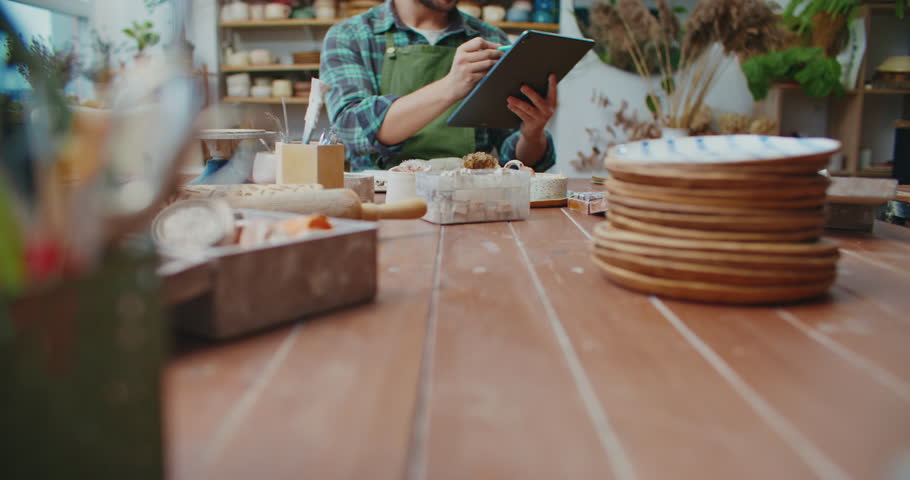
pixel 887 91
pixel 267 100
pixel 883 7
pixel 875 172
pixel 300 67
pixel 543 27
pixel 289 22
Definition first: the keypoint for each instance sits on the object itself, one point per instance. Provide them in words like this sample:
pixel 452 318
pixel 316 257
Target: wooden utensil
pixel 712 292
pixel 335 202
pixel 622 222
pixel 696 272
pixel 729 223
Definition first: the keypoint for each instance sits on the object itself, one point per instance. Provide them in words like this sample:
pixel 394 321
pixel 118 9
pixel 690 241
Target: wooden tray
pixel 696 272
pixel 820 248
pixel 713 197
pixel 625 223
pixel 712 292
pixel 561 202
pixel 714 207
pixel 746 260
pixel 729 223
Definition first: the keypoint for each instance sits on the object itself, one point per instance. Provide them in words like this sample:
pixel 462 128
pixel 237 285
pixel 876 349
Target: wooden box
pixel 310 163
pixel 252 289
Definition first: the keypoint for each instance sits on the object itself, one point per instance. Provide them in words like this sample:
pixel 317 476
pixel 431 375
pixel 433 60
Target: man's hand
pixel 535 115
pixel 473 59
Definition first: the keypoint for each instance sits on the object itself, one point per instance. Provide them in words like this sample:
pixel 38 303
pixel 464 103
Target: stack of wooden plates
pixel 730 219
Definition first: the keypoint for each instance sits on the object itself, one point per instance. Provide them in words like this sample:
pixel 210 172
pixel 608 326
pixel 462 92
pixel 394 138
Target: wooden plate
pixel 695 272
pixel 747 260
pixel 727 223
pixel 805 167
pixel 560 202
pixel 710 197
pixel 721 151
pixel 712 292
pixel 676 177
pixel 717 208
pixel 624 223
pixel 820 248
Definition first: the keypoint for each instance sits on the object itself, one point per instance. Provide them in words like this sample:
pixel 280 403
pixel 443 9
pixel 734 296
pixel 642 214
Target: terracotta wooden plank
pixel 855 426
pixel 201 389
pixel 673 414
pixel 502 402
pixel 340 405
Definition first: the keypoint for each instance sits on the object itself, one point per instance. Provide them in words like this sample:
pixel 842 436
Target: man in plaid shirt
pixel 399 70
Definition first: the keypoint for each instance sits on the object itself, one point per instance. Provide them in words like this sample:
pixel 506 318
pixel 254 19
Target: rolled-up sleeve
pixel 510 144
pixel 355 107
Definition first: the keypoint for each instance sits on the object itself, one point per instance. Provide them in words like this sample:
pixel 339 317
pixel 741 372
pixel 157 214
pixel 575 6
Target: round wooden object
pixel 758 198
pixel 681 178
pixel 561 202
pixel 805 166
pixel 745 260
pixel 717 208
pixel 624 223
pixel 729 223
pixel 680 270
pixel 712 292
pixel 820 248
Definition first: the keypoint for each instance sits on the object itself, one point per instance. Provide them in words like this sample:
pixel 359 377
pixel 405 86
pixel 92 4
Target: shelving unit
pixel 301 67
pixel 845 115
pixel 292 22
pixel 267 100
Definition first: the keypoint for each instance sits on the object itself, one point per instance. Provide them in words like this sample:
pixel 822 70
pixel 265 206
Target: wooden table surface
pixel 498 351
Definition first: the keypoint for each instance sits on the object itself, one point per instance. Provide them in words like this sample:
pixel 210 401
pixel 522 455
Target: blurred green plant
pixel 143 35
pixel 818 75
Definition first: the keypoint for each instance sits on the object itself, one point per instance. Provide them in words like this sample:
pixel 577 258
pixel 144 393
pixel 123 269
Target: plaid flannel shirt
pixel 352 57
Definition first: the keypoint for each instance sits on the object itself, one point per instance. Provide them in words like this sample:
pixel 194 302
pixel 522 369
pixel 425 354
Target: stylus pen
pixel 504 48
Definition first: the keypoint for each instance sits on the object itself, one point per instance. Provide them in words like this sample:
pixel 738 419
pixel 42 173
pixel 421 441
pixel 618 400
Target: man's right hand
pixel 473 59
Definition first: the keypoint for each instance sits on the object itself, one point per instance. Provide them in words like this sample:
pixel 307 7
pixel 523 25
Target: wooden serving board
pixel 674 177
pixel 745 260
pixel 696 272
pixel 734 198
pixel 625 223
pixel 717 208
pixel 731 223
pixel 560 202
pixel 820 248
pixel 712 292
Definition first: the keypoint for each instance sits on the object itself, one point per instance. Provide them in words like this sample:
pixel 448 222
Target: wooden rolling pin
pixel 335 202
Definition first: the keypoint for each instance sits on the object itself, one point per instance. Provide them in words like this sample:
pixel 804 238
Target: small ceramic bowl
pixel 261 91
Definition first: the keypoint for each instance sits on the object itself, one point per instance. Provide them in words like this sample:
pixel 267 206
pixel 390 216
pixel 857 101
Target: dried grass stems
pixel 714 30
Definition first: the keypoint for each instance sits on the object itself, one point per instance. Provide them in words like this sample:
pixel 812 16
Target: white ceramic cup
pixel 238 59
pixel 260 56
pixel 261 91
pixel 257 11
pixel 264 167
pixel 277 10
pixel 326 12
pixel 282 88
pixel 400 186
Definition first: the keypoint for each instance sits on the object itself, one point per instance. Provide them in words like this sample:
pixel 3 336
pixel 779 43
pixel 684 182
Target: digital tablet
pixel 533 57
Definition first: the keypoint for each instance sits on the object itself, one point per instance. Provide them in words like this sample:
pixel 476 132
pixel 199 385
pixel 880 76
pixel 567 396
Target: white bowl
pixel 723 149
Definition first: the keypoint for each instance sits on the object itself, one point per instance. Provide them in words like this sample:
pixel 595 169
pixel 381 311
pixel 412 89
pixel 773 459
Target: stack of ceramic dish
pixel 731 219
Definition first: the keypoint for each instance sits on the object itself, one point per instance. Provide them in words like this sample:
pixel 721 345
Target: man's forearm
pixel 531 150
pixel 410 113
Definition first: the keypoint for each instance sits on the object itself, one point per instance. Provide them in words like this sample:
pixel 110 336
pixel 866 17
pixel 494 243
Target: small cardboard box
pixel 589 203
pixel 310 163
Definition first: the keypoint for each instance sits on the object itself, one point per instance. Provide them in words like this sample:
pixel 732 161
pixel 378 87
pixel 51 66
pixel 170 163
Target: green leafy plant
pixel 143 35
pixel 799 14
pixel 818 75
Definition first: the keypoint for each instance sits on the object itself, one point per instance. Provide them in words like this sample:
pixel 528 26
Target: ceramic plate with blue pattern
pixel 725 149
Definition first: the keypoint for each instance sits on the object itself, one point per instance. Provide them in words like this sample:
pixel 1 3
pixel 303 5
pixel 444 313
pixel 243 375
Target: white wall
pixel 577 116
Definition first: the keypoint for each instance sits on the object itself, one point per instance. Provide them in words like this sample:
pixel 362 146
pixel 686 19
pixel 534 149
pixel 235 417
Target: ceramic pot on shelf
pixel 257 11
pixel 262 81
pixel 261 56
pixel 277 11
pixel 281 88
pixel 237 59
pixel 471 8
pixel 494 13
pixel 235 12
pixel 261 91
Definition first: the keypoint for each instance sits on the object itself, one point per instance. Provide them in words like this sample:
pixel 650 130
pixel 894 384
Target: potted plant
pixel 143 35
pixel 821 22
pixel 819 75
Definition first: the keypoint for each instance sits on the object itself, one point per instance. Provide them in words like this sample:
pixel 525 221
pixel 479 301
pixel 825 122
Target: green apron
pixel 407 69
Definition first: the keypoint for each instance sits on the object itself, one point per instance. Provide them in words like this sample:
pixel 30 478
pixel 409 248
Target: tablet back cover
pixel 532 58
